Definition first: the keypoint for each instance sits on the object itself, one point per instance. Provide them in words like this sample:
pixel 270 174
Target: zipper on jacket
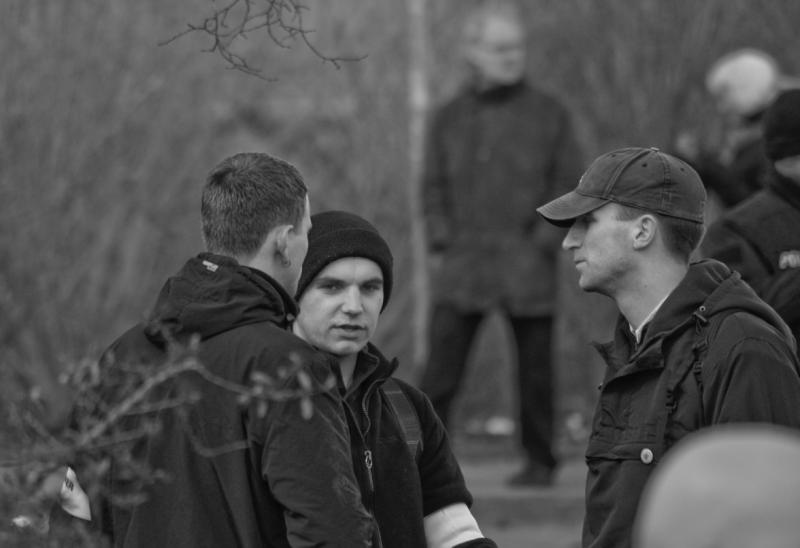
pixel 368 463
pixel 364 409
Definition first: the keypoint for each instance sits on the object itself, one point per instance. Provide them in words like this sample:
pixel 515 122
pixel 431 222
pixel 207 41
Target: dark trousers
pixel 451 335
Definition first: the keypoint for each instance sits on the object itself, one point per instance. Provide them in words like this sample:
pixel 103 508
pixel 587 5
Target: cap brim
pixel 565 209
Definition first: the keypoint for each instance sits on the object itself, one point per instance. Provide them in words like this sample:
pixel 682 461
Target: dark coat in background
pixel 714 353
pixel 760 239
pixel 492 158
pixel 237 476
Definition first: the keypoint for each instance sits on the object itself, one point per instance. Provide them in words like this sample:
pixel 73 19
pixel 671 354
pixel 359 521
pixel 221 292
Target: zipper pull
pixel 368 463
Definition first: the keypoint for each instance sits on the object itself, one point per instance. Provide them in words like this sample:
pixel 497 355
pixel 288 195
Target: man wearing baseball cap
pixel 693 346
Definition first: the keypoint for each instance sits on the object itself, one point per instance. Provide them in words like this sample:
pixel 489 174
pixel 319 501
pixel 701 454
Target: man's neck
pixel 651 288
pixel 347 367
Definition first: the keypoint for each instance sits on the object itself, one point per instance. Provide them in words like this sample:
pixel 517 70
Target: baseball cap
pixel 645 178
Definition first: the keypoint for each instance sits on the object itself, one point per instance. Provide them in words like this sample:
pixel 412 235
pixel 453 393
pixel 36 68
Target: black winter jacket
pixel 714 353
pixel 400 488
pixel 760 238
pixel 283 480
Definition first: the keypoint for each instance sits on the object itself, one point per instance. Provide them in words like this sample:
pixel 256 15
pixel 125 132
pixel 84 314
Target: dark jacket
pixel 275 479
pixel 745 170
pixel 492 158
pixel 399 488
pixel 714 353
pixel 760 239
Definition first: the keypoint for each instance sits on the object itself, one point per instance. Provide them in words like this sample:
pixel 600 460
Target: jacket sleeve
pixel 443 486
pixel 307 464
pixel 442 481
pixel 753 378
pixel 435 187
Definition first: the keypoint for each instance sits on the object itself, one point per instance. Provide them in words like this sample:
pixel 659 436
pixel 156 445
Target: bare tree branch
pixel 281 20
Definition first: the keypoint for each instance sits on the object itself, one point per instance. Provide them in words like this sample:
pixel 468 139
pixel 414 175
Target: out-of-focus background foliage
pixel 106 137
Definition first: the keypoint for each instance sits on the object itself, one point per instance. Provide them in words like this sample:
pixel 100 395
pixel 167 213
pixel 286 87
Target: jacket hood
pixel 710 288
pixel 212 294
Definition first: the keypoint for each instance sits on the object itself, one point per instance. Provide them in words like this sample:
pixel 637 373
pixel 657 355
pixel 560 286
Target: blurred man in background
pixel 732 487
pixel 742 84
pixel 240 472
pixel 495 151
pixel 760 238
pixel 410 480
pixel 694 346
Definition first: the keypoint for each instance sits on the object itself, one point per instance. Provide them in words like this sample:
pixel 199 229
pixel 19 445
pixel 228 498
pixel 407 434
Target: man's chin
pixel 588 286
pixel 347 348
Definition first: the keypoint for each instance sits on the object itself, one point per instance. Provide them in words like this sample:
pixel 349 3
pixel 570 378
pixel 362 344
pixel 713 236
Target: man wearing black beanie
pixel 409 478
pixel 760 238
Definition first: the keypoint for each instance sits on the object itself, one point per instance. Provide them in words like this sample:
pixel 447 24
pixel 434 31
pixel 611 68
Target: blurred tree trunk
pixel 419 97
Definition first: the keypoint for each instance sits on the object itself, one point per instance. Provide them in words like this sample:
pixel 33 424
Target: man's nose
pixel 352 301
pixel 570 241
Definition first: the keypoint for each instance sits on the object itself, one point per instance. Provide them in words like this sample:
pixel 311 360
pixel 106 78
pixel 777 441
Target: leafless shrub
pixel 117 406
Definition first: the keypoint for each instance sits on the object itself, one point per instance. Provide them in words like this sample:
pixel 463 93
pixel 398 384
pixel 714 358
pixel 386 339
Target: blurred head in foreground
pixel 734 486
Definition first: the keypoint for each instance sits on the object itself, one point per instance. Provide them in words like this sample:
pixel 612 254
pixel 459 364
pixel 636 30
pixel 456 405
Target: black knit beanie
pixel 782 126
pixel 335 235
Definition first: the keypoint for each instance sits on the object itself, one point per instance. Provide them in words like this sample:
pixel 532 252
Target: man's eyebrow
pixel 328 278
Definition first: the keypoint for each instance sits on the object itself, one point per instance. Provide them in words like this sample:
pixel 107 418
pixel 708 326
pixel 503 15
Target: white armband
pixel 451 525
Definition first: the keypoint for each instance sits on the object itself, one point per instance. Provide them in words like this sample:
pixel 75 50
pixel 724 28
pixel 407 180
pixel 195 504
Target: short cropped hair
pixel 681 237
pixel 245 197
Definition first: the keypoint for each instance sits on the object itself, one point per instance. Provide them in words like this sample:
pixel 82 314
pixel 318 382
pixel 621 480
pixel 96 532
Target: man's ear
pixel 645 231
pixel 280 237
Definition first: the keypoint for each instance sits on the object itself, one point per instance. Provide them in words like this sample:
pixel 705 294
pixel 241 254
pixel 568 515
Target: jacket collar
pixel 709 288
pixel 497 92
pixel 372 366
pixel 212 294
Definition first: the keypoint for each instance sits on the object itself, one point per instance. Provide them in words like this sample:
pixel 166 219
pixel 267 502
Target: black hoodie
pixel 270 480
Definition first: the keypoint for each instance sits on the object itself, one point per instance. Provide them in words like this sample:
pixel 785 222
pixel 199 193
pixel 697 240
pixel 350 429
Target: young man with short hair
pixel 239 473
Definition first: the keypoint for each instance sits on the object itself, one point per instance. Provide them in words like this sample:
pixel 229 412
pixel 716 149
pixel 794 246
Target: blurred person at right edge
pixel 731 486
pixel 495 151
pixel 742 84
pixel 694 346
pixel 760 238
